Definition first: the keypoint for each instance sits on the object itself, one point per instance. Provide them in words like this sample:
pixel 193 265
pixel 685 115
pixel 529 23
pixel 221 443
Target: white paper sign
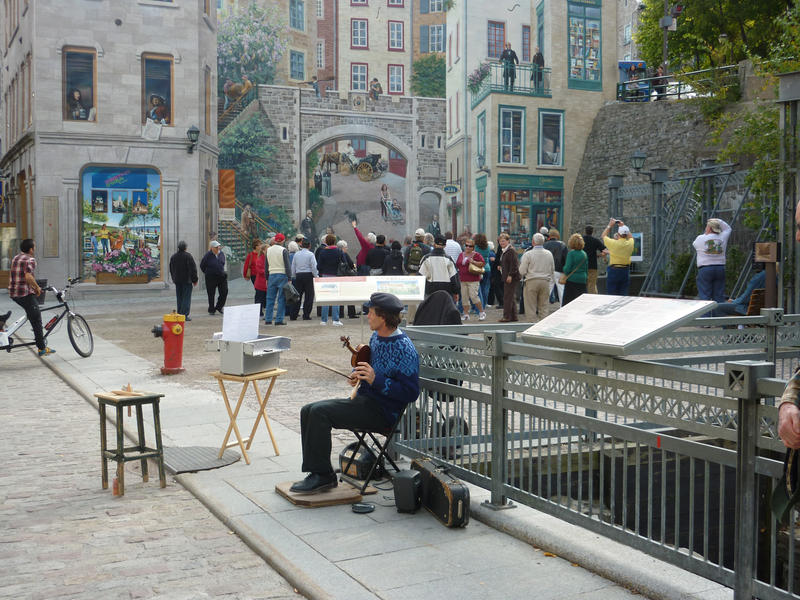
pixel 240 323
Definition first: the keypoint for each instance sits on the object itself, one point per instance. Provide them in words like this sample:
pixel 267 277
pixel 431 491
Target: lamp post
pixel 193 134
pixel 658 177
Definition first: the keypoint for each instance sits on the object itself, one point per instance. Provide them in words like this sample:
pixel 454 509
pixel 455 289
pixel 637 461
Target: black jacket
pixel 376 256
pixel 182 268
pixel 213 265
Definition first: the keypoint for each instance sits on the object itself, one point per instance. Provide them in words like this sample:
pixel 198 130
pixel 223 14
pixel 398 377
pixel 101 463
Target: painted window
pixel 627 34
pixel 436 38
pixel 481 135
pixel 551 137
pixel 358 77
pixel 400 3
pixel 523 211
pixel 207 100
pixel 396 35
pixel 496 39
pixel 396 79
pixel 320 9
pixel 526 43
pixel 358 36
pixel 358 2
pixel 320 55
pixel 79 84
pixel 297 65
pixel 157 89
pixel 511 134
pixel 436 6
pixel 121 224
pixel 583 50
pixel 297 17
pixel 540 26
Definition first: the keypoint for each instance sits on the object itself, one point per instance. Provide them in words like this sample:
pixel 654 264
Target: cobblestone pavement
pixel 65 537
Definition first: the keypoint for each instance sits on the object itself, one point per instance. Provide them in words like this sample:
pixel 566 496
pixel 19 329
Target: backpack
pixel 393 264
pixel 415 254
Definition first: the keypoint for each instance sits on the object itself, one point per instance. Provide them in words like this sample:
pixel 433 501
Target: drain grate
pixel 196 458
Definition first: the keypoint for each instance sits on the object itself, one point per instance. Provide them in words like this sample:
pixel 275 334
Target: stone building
pixel 629 14
pixel 96 117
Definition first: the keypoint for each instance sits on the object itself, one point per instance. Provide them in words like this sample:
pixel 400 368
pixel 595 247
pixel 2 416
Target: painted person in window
pixel 375 89
pixel 158 110
pixel 76 109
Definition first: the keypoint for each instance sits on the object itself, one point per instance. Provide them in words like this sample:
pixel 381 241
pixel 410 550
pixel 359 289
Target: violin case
pixel 445 497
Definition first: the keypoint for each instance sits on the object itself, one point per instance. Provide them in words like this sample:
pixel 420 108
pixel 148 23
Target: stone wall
pixel 673 134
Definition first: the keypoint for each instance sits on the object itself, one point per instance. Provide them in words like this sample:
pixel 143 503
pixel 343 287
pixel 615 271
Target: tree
pixel 710 33
pixel 250 42
pixel 246 149
pixel 428 76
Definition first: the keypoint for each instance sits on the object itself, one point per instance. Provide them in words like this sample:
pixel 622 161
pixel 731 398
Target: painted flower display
pixel 132 261
pixel 475 79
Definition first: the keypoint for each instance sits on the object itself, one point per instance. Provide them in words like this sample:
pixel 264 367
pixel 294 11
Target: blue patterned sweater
pixel 396 364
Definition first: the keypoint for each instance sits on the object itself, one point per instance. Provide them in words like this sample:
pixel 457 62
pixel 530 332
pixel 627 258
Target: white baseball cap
pixel 624 230
pixel 215 244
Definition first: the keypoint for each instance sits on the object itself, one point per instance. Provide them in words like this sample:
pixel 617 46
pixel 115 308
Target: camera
pixel 618 222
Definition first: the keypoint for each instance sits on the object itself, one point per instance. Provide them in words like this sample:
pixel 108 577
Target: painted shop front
pixel 528 202
pixel 121 235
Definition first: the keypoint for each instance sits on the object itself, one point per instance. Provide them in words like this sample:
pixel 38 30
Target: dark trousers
pixel 571 291
pixel 183 294
pixel 261 299
pixel 318 418
pixel 618 280
pixel 216 283
pixel 304 284
pixel 510 300
pixel 34 315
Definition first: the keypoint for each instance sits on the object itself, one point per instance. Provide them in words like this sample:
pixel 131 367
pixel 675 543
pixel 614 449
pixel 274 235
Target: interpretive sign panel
pixel 338 290
pixel 614 325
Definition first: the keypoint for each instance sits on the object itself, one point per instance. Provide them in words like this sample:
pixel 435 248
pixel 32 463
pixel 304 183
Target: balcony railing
pixel 525 83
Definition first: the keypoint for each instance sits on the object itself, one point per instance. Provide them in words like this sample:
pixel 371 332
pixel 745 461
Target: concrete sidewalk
pixel 333 553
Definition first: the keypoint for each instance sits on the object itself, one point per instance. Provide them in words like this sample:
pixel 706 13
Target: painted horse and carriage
pixel 367 168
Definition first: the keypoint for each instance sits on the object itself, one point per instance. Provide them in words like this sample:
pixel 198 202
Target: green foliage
pixel 784 55
pixel 315 201
pixel 246 148
pixel 277 217
pixel 250 42
pixel 428 77
pixel 748 26
pixel 91 216
pixel 678 264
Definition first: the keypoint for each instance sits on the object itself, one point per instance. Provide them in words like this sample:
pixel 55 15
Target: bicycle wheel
pixel 80 336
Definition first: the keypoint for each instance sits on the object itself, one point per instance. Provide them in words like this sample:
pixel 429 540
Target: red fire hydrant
pixel 172 333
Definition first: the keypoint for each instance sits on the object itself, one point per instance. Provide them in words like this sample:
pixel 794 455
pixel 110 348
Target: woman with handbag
pixel 470 266
pixel 248 270
pixel 576 269
pixel 328 265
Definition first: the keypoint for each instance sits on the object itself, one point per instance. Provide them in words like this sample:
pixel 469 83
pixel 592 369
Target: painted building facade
pixel 95 151
pixel 526 139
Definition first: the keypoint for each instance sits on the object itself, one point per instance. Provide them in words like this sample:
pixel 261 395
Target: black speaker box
pixel 407 491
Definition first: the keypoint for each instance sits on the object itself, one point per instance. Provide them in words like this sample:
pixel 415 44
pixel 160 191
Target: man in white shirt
pixel 710 247
pixel 451 247
pixel 538 272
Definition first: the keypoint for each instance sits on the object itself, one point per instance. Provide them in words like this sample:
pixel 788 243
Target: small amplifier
pixel 407 491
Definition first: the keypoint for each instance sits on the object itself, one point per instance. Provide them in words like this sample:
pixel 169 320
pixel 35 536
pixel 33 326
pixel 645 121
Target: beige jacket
pixel 537 263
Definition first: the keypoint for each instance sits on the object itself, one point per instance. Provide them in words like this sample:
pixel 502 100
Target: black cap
pixel 388 302
pixel 439 240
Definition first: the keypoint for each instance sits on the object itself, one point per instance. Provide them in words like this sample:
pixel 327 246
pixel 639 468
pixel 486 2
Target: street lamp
pixel 637 160
pixel 193 134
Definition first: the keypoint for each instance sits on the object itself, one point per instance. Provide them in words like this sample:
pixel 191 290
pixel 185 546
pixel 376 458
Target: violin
pixel 360 353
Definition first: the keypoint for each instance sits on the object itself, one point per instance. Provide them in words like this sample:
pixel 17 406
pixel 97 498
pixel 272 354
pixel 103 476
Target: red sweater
pixel 361 257
pixel 463 266
pixel 258 268
pixel 249 262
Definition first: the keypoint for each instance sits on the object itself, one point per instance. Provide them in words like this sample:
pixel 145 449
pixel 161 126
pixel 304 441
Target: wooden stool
pixel 121 399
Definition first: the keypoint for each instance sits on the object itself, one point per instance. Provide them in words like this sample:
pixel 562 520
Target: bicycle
pixel 80 336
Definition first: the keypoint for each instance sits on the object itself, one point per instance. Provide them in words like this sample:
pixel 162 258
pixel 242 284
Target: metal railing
pixel 707 82
pixel 654 455
pixel 526 77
